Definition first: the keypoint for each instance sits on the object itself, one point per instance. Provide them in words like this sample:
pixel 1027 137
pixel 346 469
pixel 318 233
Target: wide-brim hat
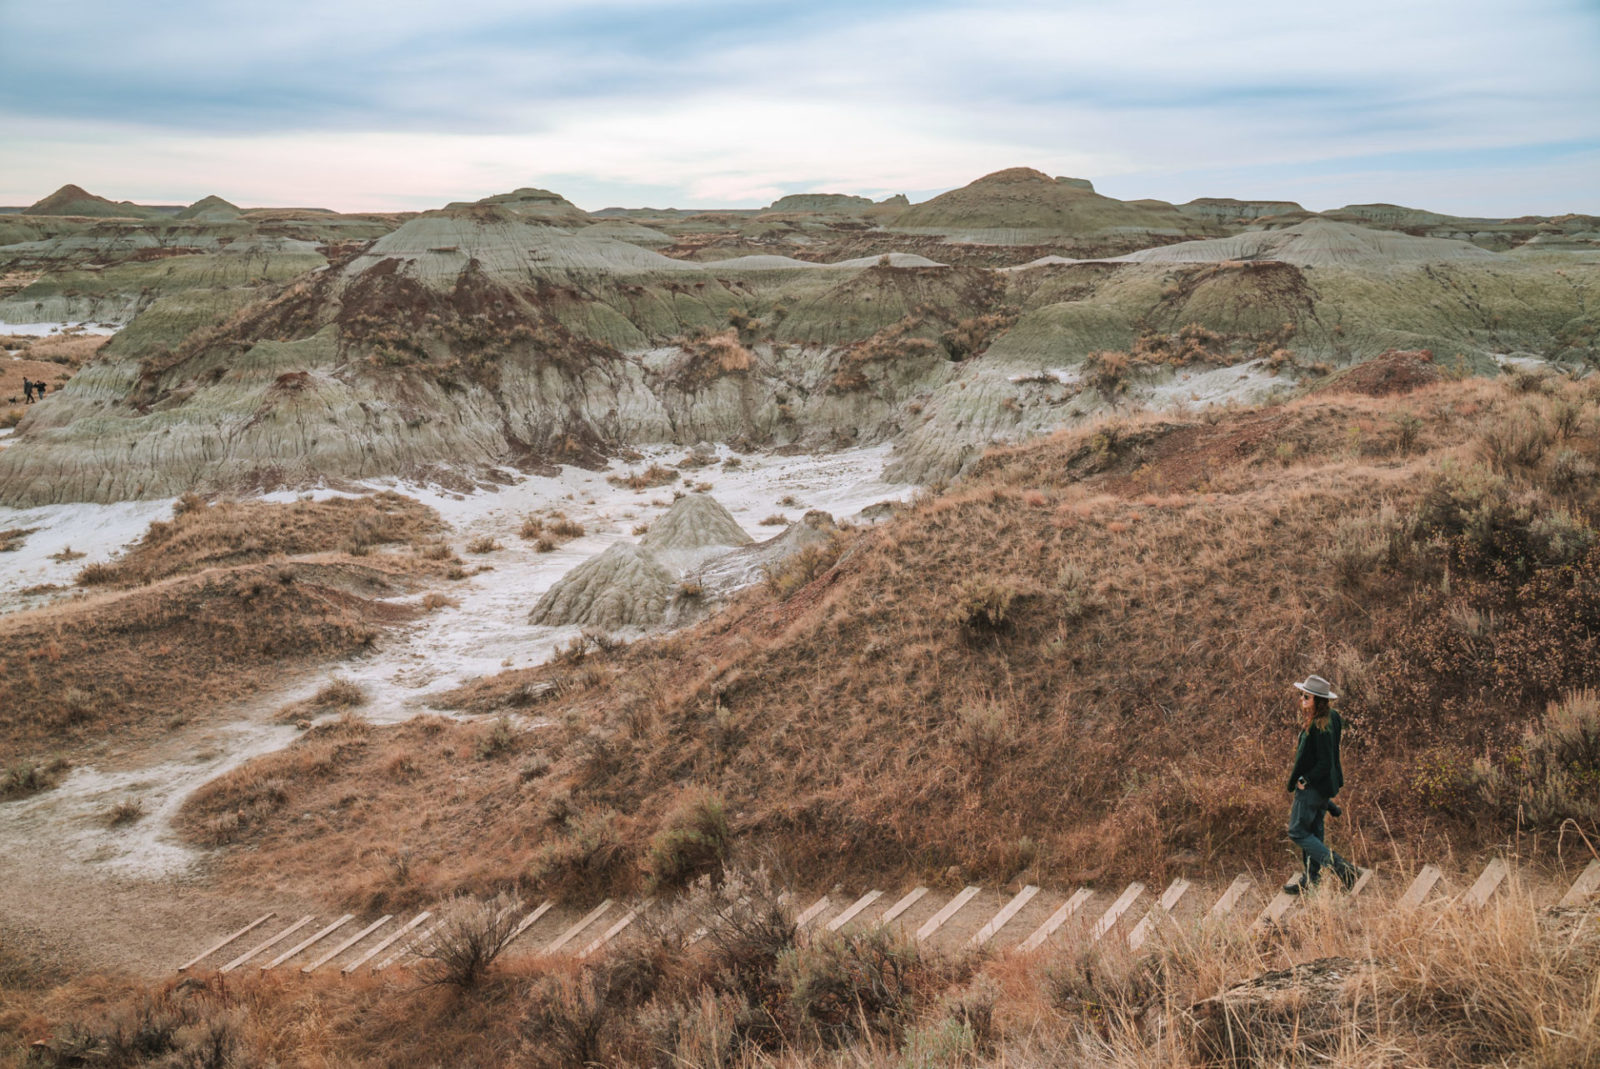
pixel 1317 687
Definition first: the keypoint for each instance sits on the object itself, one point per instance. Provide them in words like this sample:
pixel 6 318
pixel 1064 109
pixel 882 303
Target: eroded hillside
pixel 1072 666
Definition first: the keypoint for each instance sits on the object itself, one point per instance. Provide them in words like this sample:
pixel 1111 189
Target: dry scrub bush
pixel 694 840
pixel 1106 373
pixel 11 538
pixel 1553 776
pixel 654 475
pixel 799 569
pixel 470 936
pixel 483 544
pixel 702 361
pixel 23 778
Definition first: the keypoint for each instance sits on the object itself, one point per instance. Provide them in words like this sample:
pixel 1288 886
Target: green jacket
pixel 1316 758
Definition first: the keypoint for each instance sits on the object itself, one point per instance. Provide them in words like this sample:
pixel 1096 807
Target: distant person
pixel 38 388
pixel 1314 780
pixel 27 391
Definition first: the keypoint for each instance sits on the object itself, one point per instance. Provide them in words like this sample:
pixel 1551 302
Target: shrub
pixel 1554 774
pixel 339 693
pixel 984 605
pixel 796 570
pixel 498 740
pixel 588 858
pixel 483 544
pixel 471 935
pixel 694 840
pixel 561 527
pixel 654 475
pixel 777 519
pixel 97 574
pixel 124 812
pixel 1516 442
pixel 1363 544
pixel 1106 373
pixel 30 777
pixel 842 985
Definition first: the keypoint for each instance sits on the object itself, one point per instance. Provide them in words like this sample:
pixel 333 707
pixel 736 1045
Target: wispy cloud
pixel 1463 105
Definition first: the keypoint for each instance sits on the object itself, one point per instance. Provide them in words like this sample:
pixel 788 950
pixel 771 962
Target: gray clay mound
pixel 694 521
pixel 621 588
pixel 734 571
pixel 1318 243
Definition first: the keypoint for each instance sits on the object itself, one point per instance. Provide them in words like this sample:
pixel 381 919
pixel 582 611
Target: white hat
pixel 1317 687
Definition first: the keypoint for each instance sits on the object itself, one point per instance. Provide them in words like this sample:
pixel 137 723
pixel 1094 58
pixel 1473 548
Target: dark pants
pixel 1305 831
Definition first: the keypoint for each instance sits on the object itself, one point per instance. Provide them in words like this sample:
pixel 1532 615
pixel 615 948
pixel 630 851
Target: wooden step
pixel 348 943
pixel 937 921
pixel 269 944
pixel 1419 888
pixel 1007 911
pixel 1056 920
pixel 1169 900
pixel 1494 874
pixel 224 941
pixel 386 942
pixel 851 910
pixel 1111 916
pixel 1585 887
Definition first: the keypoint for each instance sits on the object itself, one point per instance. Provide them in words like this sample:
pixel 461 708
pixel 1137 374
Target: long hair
pixel 1319 714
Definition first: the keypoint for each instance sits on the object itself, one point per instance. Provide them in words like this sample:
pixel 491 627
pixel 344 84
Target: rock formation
pixel 624 587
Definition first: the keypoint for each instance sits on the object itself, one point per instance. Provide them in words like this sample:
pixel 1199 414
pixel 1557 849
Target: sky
pixel 1472 107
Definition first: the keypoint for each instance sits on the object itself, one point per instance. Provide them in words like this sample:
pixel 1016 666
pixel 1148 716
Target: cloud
pixel 715 102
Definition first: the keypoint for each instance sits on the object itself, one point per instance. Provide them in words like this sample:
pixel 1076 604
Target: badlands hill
pixel 283 349
pixel 74 200
pixel 1025 199
pixel 212 209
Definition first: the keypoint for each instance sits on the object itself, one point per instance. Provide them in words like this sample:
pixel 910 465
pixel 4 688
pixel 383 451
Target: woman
pixel 1315 778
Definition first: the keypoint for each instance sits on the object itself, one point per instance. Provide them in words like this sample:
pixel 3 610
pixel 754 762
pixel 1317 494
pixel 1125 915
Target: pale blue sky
pixel 1466 106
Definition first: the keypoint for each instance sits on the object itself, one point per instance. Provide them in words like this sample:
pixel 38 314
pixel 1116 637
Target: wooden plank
pixel 1147 924
pixel 1493 876
pixel 348 943
pixel 308 941
pixel 529 921
pixel 911 898
pixel 414 947
pixel 851 910
pixel 1007 911
pixel 1419 888
pixel 935 922
pixel 1230 898
pixel 1274 911
pixel 1056 920
pixel 1584 887
pixel 269 944
pixel 224 941
pixel 1108 920
pixel 611 932
pixel 811 912
pixel 1361 882
pixel 386 942
pixel 572 933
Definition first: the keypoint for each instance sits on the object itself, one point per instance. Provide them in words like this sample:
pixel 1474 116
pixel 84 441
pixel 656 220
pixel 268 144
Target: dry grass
pixel 1345 984
pixel 232 533
pixel 1088 644
pixel 654 475
pixel 549 531
pixel 136 662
